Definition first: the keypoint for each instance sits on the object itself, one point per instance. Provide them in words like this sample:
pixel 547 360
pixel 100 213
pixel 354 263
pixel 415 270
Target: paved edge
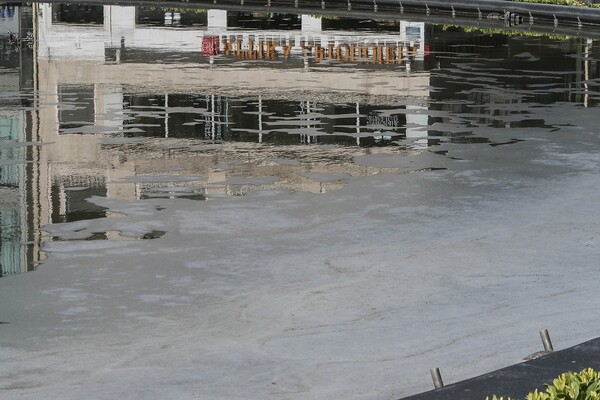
pixel 518 380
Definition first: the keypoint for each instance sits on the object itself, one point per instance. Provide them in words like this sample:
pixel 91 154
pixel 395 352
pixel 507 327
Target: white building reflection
pixel 117 27
pixel 94 73
pixel 124 35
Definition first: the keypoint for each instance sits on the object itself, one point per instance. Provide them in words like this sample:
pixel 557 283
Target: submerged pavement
pixel 450 249
pixel 353 294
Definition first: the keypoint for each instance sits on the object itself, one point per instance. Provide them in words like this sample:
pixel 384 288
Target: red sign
pixel 210 45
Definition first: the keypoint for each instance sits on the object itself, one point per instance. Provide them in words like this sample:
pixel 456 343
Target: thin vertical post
pixel 546 340
pixel 437 378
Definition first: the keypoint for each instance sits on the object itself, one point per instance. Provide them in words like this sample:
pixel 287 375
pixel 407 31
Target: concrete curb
pixel 518 380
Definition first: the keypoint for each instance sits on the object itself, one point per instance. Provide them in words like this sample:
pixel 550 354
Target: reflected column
pixel 32 194
pixel 357 124
pixel 586 70
pixel 119 23
pixel 311 24
pixel 217 19
pixel 417 121
pixel 260 122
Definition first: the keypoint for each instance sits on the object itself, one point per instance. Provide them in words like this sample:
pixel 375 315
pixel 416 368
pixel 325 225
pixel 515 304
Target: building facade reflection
pixel 17 227
pixel 98 32
pixel 140 103
pixel 98 76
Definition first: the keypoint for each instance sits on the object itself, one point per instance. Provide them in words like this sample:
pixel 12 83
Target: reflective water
pixel 151 103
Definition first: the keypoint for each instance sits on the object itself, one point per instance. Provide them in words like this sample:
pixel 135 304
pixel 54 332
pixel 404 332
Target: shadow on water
pixel 162 103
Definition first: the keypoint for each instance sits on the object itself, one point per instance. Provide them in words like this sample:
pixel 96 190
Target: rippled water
pixel 158 103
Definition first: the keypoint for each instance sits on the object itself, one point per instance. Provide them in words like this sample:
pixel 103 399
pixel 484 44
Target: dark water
pixel 152 103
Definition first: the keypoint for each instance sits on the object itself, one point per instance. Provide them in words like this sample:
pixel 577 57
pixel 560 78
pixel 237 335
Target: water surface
pixel 146 103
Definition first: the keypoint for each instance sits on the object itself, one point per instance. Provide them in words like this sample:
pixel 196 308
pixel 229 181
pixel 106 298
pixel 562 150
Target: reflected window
pixel 359 24
pixel 255 20
pixel 71 204
pixel 76 106
pixel 10 215
pixel 9 58
pixel 413 32
pixel 77 14
pixel 163 16
pixel 10 130
pixel 7 12
pixel 10 242
pixel 206 116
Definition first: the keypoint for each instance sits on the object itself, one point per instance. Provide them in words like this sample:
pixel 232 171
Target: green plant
pixel 574 3
pixel 584 385
pixel 507 32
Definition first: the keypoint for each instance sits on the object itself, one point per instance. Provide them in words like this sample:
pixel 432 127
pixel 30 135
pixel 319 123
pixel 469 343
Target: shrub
pixel 584 385
pixel 574 3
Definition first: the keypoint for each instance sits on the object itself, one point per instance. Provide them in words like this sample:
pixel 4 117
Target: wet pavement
pixel 335 205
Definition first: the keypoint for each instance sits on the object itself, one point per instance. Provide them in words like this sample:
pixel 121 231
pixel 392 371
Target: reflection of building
pixel 82 114
pixel 117 37
pixel 12 184
pixel 501 52
pixel 125 34
pixel 9 19
pixel 105 75
pixel 15 53
pixel 16 225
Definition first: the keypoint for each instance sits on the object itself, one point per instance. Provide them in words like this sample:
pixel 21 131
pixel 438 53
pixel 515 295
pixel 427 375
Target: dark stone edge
pixel 518 380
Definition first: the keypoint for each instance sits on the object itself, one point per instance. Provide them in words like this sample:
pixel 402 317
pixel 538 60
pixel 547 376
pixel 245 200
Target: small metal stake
pixel 437 378
pixel 546 340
